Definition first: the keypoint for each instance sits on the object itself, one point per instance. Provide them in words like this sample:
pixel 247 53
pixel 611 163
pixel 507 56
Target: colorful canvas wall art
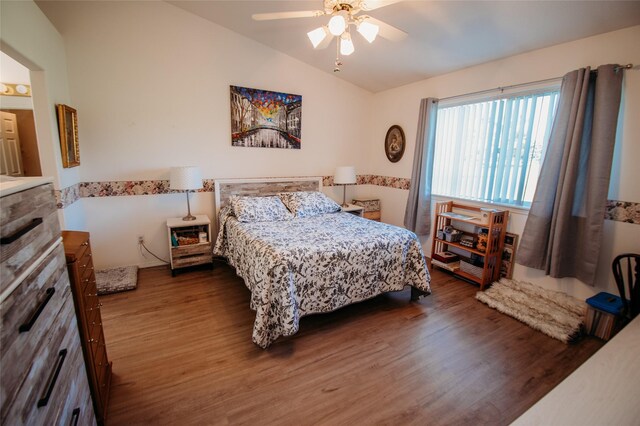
pixel 265 119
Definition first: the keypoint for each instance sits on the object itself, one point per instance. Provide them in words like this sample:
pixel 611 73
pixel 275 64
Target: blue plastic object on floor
pixel 606 302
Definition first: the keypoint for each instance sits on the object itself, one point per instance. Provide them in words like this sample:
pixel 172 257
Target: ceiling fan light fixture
pixel 368 30
pixel 346 45
pixel 338 23
pixel 318 35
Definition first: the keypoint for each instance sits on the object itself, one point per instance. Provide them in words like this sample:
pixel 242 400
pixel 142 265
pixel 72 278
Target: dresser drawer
pixel 33 307
pixel 29 225
pixel 196 254
pixel 70 401
pixel 372 215
pixel 41 397
pixel 88 282
pixel 85 263
pixel 96 342
pixel 85 414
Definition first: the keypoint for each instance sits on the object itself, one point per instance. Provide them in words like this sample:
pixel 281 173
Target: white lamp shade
pixel 337 23
pixel 368 30
pixel 185 178
pixel 346 45
pixel 317 36
pixel 345 175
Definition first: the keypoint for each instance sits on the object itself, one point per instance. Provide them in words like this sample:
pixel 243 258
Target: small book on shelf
pixel 453 266
pixel 454 215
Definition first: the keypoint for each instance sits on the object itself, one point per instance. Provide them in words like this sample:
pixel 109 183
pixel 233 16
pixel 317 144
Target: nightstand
pixel 354 210
pixel 189 242
pixel 371 207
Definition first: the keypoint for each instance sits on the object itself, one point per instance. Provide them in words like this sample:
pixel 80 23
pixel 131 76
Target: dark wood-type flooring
pixel 182 355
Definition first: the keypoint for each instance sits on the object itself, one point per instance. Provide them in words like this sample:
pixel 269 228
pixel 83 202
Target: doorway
pixel 19 154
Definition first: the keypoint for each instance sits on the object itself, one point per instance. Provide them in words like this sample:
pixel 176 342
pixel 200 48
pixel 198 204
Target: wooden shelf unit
pixel 496 226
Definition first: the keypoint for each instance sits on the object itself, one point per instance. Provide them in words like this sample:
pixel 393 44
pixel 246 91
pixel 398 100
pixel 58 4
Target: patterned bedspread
pixel 317 264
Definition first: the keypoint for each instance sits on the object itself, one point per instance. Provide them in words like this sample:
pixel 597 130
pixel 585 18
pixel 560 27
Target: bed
pixel 298 266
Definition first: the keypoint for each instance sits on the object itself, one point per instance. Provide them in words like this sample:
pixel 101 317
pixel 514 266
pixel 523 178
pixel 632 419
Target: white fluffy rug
pixel 115 280
pixel 552 312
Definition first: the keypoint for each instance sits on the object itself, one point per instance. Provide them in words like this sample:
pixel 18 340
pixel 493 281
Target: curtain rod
pixel 503 88
pixel 624 67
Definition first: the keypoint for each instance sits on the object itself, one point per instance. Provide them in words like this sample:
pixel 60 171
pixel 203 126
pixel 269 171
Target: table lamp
pixel 186 178
pixel 344 176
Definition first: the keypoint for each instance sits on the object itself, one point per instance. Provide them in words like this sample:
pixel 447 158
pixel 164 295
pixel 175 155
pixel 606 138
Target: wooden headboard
pixel 262 187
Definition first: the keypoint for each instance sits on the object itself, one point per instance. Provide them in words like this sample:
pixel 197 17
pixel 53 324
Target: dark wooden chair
pixel 626 271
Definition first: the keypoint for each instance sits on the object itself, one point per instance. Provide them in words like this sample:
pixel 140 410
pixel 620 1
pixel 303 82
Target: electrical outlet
pixel 140 239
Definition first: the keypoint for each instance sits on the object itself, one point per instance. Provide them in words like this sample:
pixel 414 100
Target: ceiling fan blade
pixel 287 15
pixel 376 4
pixel 388 31
pixel 326 42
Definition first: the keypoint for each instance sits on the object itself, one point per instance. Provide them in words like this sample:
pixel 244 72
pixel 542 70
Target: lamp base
pixel 189 216
pixel 344 196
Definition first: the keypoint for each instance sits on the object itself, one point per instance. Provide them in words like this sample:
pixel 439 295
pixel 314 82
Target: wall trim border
pixel 619 211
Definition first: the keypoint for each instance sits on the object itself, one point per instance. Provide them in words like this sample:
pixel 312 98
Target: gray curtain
pixel 417 216
pixel 563 232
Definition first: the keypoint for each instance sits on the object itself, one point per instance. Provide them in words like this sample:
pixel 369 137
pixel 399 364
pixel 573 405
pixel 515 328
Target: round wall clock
pixel 394 143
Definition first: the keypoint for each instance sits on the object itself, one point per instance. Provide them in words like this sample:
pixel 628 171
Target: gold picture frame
pixel 68 128
pixel 394 143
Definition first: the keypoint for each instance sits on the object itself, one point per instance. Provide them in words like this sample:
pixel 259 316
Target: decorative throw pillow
pixel 307 204
pixel 259 209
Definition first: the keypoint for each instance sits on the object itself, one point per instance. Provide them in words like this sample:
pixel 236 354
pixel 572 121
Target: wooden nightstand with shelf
pixel 354 210
pixel 371 207
pixel 481 266
pixel 189 242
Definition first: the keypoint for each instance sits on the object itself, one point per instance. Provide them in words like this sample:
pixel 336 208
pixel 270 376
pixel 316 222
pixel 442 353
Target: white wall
pixel 12 71
pixel 401 105
pixel 151 85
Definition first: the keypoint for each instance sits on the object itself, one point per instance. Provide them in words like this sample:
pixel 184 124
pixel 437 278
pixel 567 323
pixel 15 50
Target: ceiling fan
pixel 344 14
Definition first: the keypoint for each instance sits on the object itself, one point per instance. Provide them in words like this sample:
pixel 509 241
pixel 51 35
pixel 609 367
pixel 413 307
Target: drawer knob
pixel 86 243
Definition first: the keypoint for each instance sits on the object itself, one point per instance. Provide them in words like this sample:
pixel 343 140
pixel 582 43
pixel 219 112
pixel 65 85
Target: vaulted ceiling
pixel 443 36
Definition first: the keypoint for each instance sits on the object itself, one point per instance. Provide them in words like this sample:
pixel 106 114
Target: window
pixel 492 149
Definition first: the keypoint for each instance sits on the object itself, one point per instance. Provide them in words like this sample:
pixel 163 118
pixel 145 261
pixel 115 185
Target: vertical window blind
pixel 492 150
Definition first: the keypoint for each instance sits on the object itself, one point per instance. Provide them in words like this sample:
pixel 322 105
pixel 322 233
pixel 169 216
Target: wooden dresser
pixel 77 249
pixel 43 378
